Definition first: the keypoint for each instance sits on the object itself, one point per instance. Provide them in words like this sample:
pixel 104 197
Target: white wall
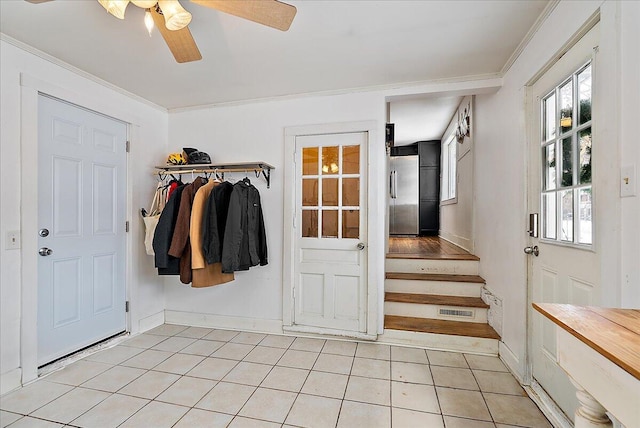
pixel 149 141
pixel 253 132
pixel 501 164
pixel 456 219
pixel 630 151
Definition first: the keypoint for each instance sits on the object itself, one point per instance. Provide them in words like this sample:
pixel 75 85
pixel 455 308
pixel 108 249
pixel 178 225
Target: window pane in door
pixel 549 172
pixel 566 107
pixel 585 232
pixel 351 224
pixel 566 165
pixel 549 210
pixel 351 192
pixel 330 192
pixel 310 161
pixel 309 192
pixel 584 95
pixel 330 160
pixel 549 117
pixel 566 206
pixel 309 223
pixel 329 223
pixel 351 160
pixel 584 140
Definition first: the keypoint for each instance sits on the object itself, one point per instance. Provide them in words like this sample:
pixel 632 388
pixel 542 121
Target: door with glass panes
pixel 566 266
pixel 330 287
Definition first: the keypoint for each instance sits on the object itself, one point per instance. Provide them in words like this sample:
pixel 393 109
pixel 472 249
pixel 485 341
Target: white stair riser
pixel 449 267
pixel 418 310
pixel 442 288
pixel 444 342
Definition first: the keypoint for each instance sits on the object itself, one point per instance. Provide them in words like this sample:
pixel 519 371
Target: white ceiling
pixel 421 119
pixel 331 46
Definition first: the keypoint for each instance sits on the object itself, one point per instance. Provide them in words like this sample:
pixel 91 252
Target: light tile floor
pixel 176 376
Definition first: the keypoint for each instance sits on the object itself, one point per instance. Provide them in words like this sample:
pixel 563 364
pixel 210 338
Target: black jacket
pixel 166 264
pixel 215 221
pixel 245 241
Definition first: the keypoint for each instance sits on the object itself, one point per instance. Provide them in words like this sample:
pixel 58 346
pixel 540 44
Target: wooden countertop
pixel 613 333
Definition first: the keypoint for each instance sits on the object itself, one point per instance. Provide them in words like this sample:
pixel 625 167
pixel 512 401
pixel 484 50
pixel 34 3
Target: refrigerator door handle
pixel 394 184
pixel 391 184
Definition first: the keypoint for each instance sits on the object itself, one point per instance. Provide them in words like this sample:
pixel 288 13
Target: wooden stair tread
pixel 454 328
pixel 435 277
pixel 434 299
pixel 432 256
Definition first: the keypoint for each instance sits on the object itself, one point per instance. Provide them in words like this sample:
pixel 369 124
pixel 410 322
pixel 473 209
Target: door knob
pixel 532 250
pixel 44 251
pixel 360 246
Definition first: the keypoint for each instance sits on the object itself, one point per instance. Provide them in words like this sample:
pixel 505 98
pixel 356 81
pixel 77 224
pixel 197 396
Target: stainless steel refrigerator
pixel 403 201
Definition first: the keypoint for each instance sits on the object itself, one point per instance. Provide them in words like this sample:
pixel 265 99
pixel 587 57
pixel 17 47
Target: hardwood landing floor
pixel 426 247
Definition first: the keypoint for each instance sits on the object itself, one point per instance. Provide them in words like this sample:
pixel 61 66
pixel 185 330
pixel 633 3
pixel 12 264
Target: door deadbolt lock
pixel 360 246
pixel 44 251
pixel 43 233
pixel 532 250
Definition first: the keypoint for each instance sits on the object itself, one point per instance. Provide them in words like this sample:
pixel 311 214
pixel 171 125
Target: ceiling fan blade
pixel 271 13
pixel 180 42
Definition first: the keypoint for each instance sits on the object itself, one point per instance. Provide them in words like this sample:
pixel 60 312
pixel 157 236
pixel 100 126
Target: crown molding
pixel 433 86
pixel 548 10
pixel 56 61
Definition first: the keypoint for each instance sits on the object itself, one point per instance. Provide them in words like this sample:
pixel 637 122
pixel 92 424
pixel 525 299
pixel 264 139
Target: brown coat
pixel 204 275
pixel 180 246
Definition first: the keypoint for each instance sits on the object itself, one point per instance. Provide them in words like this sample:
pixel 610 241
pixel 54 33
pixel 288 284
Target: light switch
pixel 13 240
pixel 628 181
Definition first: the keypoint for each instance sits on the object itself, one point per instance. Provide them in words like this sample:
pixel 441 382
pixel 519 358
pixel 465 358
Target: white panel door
pixel 330 289
pixel 566 269
pixel 81 204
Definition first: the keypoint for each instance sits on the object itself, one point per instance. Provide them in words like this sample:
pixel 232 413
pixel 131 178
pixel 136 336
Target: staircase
pixel 434 301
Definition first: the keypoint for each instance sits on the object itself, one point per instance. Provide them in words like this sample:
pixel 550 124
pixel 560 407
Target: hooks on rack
pixel 259 168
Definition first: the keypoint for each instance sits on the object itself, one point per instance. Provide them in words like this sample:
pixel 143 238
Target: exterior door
pixel 330 284
pixel 566 268
pixel 81 216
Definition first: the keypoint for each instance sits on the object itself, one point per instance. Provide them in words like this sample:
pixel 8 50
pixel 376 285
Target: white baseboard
pixel 440 342
pixel 460 241
pixel 512 362
pixel 152 321
pixel 222 321
pixel 548 407
pixel 325 333
pixel 10 380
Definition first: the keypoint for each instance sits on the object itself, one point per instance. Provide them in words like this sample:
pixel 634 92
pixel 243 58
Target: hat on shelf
pixel 194 156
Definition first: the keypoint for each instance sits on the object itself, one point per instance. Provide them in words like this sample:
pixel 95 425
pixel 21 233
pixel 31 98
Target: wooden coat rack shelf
pixel 259 168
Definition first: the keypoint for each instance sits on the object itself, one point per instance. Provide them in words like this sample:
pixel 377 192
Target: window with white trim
pixel 449 170
pixel 566 143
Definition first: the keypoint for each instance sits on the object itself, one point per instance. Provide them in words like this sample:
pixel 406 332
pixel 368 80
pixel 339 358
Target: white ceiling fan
pixel 172 19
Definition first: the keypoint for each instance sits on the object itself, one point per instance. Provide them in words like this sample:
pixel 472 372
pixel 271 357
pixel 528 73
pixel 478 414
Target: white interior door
pixel 566 268
pixel 330 254
pixel 81 216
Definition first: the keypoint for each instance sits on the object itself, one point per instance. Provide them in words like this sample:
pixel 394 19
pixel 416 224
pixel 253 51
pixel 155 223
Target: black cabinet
pixel 429 190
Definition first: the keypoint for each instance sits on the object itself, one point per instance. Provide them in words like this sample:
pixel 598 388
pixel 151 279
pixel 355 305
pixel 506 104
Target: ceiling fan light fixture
pixel 144 4
pixel 148 21
pixel 175 16
pixel 115 7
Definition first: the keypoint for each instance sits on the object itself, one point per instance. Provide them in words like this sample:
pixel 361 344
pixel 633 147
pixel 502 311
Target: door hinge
pixel 128 146
pixel 126 226
pixel 126 306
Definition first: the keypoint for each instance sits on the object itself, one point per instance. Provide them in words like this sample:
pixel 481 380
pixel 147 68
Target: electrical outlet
pixel 628 181
pixel 13 240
